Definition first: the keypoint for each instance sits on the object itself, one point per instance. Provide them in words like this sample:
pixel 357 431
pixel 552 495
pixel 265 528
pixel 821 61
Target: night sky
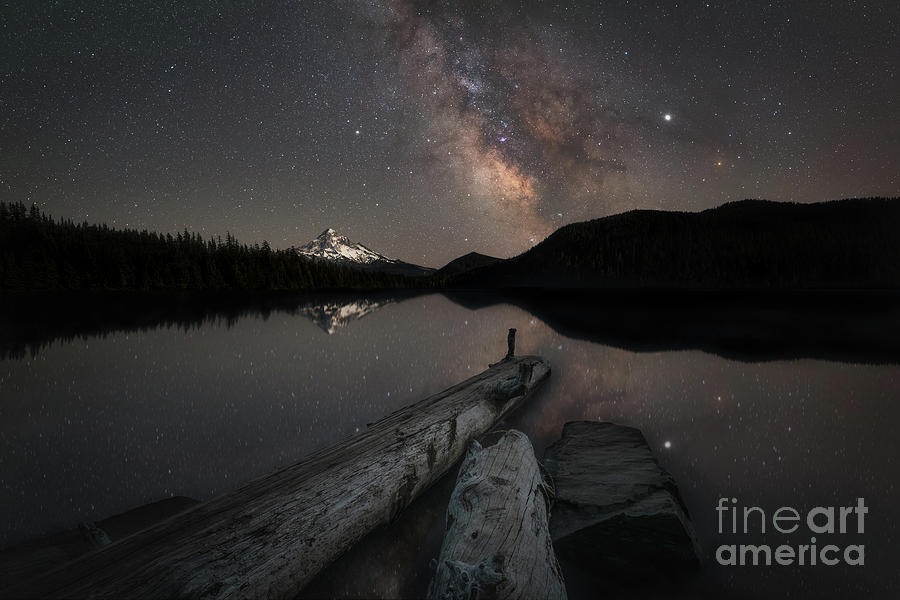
pixel 427 130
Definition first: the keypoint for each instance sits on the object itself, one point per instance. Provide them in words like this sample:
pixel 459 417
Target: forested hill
pixel 748 244
pixel 40 253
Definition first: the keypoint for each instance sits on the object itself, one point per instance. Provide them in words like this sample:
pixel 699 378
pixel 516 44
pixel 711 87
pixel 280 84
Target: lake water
pixel 95 425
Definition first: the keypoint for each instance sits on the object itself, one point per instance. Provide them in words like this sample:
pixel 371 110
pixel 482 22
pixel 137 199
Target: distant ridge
pixel 746 244
pixel 750 244
pixel 472 260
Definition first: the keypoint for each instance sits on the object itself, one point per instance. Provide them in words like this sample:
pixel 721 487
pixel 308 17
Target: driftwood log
pixel 270 537
pixel 618 514
pixel 497 543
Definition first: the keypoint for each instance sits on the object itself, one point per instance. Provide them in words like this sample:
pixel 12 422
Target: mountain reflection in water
pixel 121 402
pixel 331 315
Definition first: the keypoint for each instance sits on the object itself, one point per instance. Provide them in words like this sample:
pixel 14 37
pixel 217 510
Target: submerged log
pixel 41 555
pixel 618 513
pixel 270 537
pixel 497 543
pixel 93 535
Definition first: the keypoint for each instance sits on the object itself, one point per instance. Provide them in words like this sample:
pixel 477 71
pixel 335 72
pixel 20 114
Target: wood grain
pixel 497 543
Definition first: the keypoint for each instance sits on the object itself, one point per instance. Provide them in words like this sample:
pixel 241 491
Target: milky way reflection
pixel 97 426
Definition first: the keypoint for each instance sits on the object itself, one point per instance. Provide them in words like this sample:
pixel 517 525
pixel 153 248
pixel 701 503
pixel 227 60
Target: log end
pixel 497 543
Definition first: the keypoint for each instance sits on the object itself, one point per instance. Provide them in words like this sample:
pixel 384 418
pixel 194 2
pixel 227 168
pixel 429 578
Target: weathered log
pixel 497 543
pixel 270 537
pixel 617 512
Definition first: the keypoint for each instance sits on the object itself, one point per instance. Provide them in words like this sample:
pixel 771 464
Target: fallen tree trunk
pixel 618 515
pixel 497 543
pixel 270 537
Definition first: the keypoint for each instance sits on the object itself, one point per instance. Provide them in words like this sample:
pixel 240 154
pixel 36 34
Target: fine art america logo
pixel 820 520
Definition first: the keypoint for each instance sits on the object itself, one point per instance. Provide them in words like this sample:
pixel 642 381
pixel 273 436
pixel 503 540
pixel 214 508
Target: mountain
pixel 329 246
pixel 747 244
pixel 472 260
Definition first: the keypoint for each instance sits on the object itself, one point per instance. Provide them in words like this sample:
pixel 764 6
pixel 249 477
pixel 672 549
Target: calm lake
pixel 93 425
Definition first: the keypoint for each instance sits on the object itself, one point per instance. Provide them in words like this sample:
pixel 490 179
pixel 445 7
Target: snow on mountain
pixel 331 246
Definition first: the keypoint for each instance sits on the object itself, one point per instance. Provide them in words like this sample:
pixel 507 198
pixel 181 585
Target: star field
pixel 119 420
pixel 429 130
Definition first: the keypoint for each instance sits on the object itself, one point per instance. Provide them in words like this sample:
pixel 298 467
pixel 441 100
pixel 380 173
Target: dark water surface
pixel 106 420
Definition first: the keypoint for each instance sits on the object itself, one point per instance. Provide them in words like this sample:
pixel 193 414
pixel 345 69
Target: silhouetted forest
pixel 40 253
pixel 747 244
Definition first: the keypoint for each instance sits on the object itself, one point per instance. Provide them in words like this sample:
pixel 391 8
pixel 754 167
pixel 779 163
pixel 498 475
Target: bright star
pixel 667 117
pixel 668 444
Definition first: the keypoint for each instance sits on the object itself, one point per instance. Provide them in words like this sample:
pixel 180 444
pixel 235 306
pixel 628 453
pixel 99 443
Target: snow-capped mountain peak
pixel 329 245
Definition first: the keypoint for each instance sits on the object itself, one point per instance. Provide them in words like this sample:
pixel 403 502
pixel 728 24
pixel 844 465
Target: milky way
pixel 511 118
pixel 427 130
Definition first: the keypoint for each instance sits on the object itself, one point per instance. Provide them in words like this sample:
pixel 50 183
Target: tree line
pixel 39 253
